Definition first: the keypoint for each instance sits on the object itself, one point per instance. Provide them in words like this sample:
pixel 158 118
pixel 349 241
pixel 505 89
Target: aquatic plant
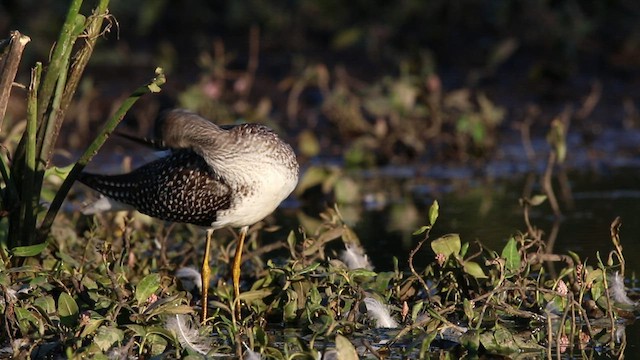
pixel 28 219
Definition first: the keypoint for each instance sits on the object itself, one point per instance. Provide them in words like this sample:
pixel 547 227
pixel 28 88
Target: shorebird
pixel 214 176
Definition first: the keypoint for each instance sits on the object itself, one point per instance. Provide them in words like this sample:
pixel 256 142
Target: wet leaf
pixel 345 349
pixel 512 256
pixel 447 245
pixel 67 309
pixel 473 268
pixel 146 287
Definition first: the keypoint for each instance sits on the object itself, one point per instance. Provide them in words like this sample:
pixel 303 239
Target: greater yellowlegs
pixel 214 176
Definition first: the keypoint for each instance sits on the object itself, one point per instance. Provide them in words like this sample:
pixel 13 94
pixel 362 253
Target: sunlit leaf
pixel 464 249
pixel 446 245
pixel 511 255
pixel 46 304
pixel 421 230
pixel 67 309
pixel 31 250
pixel 361 273
pixel 473 268
pixel 25 319
pixel 345 349
pixel 468 309
pixel 597 290
pixel 498 341
pixel 433 212
pixel 537 200
pixel 107 336
pixel 92 325
pixel 146 287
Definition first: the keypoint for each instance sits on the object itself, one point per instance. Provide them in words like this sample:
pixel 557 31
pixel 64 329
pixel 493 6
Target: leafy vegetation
pixel 104 295
pixel 109 287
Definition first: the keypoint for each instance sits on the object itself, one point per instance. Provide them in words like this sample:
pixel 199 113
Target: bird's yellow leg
pixel 237 261
pixel 206 274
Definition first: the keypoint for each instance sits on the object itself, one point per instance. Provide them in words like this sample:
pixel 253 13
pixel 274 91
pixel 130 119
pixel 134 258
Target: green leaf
pixel 147 287
pixel 468 309
pixel 361 273
pixel 345 349
pixel 473 268
pixel 433 212
pixel 25 319
pixel 470 341
pixel 537 200
pixel 95 320
pixel 499 341
pixel 107 336
pixel 512 256
pixel 67 309
pixel 421 230
pixel 46 304
pixel 447 245
pixel 158 81
pixel 31 250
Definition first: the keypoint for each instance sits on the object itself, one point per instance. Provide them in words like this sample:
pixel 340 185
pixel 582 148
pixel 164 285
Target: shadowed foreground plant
pixel 50 92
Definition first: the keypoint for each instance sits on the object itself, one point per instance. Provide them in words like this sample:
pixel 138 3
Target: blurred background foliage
pixel 376 81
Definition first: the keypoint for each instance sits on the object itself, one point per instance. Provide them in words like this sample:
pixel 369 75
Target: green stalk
pixel 153 86
pixel 82 56
pixel 30 197
pixel 63 46
pixel 59 56
pixel 55 115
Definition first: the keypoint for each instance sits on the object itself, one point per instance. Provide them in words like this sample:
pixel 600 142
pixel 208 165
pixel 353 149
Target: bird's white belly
pixel 261 200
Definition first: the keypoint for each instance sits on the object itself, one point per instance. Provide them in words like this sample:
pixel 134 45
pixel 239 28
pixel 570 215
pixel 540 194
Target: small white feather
pixel 188 336
pixel 250 354
pixel 379 313
pixel 104 204
pixel 355 258
pixel 618 292
pixel 189 278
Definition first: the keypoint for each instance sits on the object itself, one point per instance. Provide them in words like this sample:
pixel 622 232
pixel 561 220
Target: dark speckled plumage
pixel 180 188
